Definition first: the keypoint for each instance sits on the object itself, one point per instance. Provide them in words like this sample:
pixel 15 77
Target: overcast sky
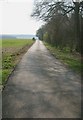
pixel 15 17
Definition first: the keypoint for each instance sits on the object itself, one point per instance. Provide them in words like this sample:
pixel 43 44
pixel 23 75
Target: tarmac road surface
pixel 42 87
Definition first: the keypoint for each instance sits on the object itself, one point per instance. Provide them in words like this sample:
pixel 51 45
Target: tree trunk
pixel 77 24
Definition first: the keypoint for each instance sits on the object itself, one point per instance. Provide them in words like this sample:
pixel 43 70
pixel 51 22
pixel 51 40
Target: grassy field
pixel 12 52
pixel 71 60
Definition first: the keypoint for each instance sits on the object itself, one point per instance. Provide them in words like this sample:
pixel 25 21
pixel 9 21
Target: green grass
pixel 15 42
pixel 5 73
pixel 0 76
pixel 66 57
pixel 13 50
pixel 0 42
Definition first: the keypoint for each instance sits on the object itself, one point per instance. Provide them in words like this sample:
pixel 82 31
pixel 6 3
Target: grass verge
pixel 71 60
pixel 12 52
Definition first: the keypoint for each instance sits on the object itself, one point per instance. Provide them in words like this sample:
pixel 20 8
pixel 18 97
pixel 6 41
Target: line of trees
pixel 63 26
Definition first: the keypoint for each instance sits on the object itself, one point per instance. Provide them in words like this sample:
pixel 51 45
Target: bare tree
pixel 48 10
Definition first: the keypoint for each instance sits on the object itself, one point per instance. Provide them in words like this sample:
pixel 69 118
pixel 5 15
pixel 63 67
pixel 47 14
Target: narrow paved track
pixel 42 87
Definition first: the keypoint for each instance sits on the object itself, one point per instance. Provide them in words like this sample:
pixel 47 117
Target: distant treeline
pixel 63 26
pixel 19 36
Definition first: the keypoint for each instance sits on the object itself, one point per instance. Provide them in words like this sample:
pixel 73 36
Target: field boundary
pixel 20 53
